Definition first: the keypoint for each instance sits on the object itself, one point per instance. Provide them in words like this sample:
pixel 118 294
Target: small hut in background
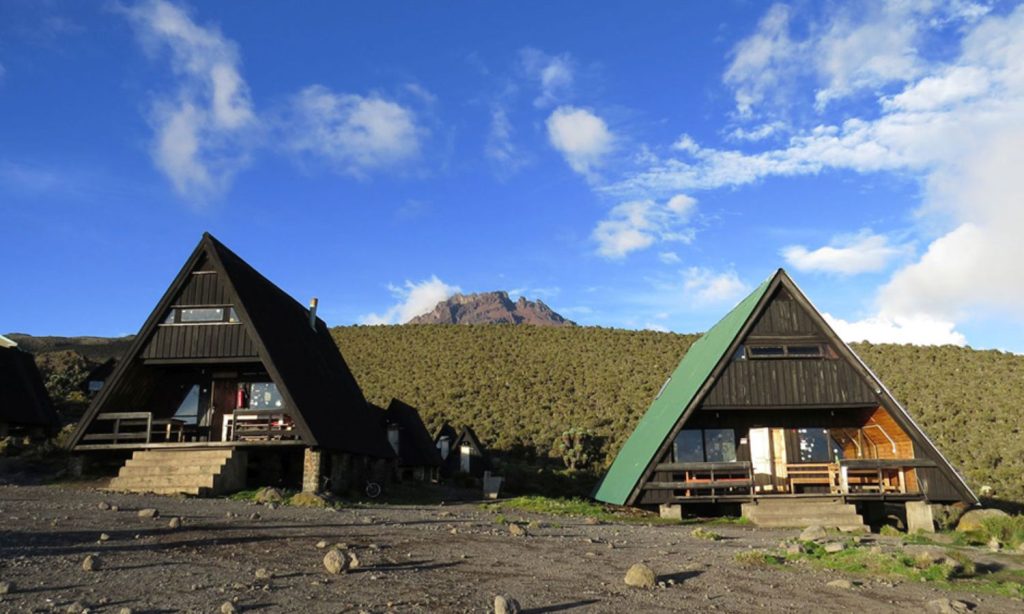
pixel 461 451
pixel 418 458
pixel 25 407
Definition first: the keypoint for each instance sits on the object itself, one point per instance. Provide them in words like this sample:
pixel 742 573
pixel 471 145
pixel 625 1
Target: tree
pixel 577 447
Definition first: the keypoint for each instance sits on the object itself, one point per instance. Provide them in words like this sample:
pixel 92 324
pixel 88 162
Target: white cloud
pixel 669 257
pixel 658 328
pixel 917 330
pixel 847 51
pixel 205 127
pixel 638 224
pixel 500 147
pixel 355 134
pixel 956 124
pixel 582 137
pixel 847 255
pixel 413 299
pixel 554 74
pixel 704 286
pixel 758 133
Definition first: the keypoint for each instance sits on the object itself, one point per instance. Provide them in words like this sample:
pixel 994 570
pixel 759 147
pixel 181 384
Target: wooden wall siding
pixel 904 445
pixel 203 289
pixel 789 382
pixel 784 317
pixel 200 341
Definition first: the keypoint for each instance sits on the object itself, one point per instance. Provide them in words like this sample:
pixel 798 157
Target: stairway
pixel 828 512
pixel 198 472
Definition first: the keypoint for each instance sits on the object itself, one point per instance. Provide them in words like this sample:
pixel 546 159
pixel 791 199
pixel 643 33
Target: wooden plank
pixel 698 485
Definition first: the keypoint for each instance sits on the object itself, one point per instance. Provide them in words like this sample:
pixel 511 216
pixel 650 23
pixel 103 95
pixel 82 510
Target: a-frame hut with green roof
pixel 771 406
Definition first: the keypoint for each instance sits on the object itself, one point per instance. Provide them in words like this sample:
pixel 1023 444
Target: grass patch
pixel 575 507
pixel 702 533
pixel 244 495
pixel 759 558
pixel 890 531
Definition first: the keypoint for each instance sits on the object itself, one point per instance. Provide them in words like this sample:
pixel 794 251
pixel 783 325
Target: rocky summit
pixel 491 308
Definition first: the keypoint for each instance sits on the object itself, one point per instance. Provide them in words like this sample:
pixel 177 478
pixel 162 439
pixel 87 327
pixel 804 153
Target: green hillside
pixel 523 386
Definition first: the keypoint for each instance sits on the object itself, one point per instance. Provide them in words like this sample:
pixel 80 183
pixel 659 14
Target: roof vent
pixel 312 312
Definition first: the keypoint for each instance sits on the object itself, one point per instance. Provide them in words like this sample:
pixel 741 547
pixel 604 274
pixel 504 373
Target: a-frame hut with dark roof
pixel 418 459
pixel 25 407
pixel 231 381
pixel 771 410
pixel 461 451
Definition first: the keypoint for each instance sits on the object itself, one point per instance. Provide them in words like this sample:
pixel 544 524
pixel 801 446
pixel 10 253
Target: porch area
pixel 740 456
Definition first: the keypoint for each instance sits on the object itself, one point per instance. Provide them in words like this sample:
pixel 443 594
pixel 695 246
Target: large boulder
pixel 973 520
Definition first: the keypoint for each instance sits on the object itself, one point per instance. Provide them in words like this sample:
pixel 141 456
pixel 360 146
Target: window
pixel 720 445
pixel 817 446
pixel 805 350
pixel 265 395
pixel 188 409
pixel 689 446
pixel 202 315
pixel 705 445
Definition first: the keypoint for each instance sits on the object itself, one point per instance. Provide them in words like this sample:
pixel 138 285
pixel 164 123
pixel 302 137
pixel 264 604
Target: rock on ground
pixel 263 574
pixel 6 587
pixel 640 576
pixel 504 604
pixel 834 547
pixel 336 561
pixel 228 608
pixel 268 494
pixel 308 499
pixel 844 584
pixel 947 606
pixel 517 530
pixel 972 520
pixel 90 563
pixel 812 533
pixel 149 512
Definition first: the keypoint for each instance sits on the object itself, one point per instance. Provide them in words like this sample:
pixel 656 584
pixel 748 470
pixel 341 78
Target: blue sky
pixel 639 166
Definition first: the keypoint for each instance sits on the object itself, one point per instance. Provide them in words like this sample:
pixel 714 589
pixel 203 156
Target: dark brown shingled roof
pixel 23 397
pixel 416 447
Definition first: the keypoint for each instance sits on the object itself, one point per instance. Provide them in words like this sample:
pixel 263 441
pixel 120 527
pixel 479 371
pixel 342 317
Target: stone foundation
pixel 920 517
pixel 312 470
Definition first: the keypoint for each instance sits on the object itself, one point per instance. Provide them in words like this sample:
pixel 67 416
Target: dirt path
pixel 415 559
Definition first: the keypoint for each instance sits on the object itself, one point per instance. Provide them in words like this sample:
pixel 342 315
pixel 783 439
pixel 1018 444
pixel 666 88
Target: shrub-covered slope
pixel 523 386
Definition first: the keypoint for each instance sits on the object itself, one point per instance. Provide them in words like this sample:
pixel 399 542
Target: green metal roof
pixel 668 407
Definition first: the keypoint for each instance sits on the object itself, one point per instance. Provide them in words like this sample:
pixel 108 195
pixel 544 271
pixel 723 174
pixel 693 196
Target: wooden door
pixel 761 458
pixel 225 392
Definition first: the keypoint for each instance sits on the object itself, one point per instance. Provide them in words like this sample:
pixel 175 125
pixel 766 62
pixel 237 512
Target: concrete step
pixel 168 470
pixel 807 521
pixel 194 492
pixel 130 483
pixel 801 511
pixel 179 456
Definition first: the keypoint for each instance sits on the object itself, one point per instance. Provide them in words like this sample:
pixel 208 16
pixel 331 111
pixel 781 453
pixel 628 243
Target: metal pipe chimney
pixel 312 312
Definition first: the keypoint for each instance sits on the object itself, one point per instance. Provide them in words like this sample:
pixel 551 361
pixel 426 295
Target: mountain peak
pixel 491 308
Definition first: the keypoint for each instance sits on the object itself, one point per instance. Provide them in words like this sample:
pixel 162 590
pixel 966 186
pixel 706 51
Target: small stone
pixel 76 608
pixel 6 588
pixel 90 563
pixel 335 562
pixel 517 530
pixel 263 574
pixel 834 547
pixel 995 545
pixel 640 576
pixel 947 606
pixel 590 520
pixel 104 537
pixel 115 508
pixel 794 549
pixel 504 604
pixel 103 505
pixel 149 512
pixel 353 560
pixel 843 584
pixel 124 611
pixel 254 516
pixel 321 544
pixel 174 523
pixel 228 608
pixel 813 533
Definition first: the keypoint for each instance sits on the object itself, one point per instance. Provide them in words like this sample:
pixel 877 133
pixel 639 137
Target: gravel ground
pixel 452 558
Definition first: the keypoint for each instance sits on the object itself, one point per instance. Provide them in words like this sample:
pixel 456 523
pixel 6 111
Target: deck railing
pixel 135 427
pixel 258 425
pixel 704 479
